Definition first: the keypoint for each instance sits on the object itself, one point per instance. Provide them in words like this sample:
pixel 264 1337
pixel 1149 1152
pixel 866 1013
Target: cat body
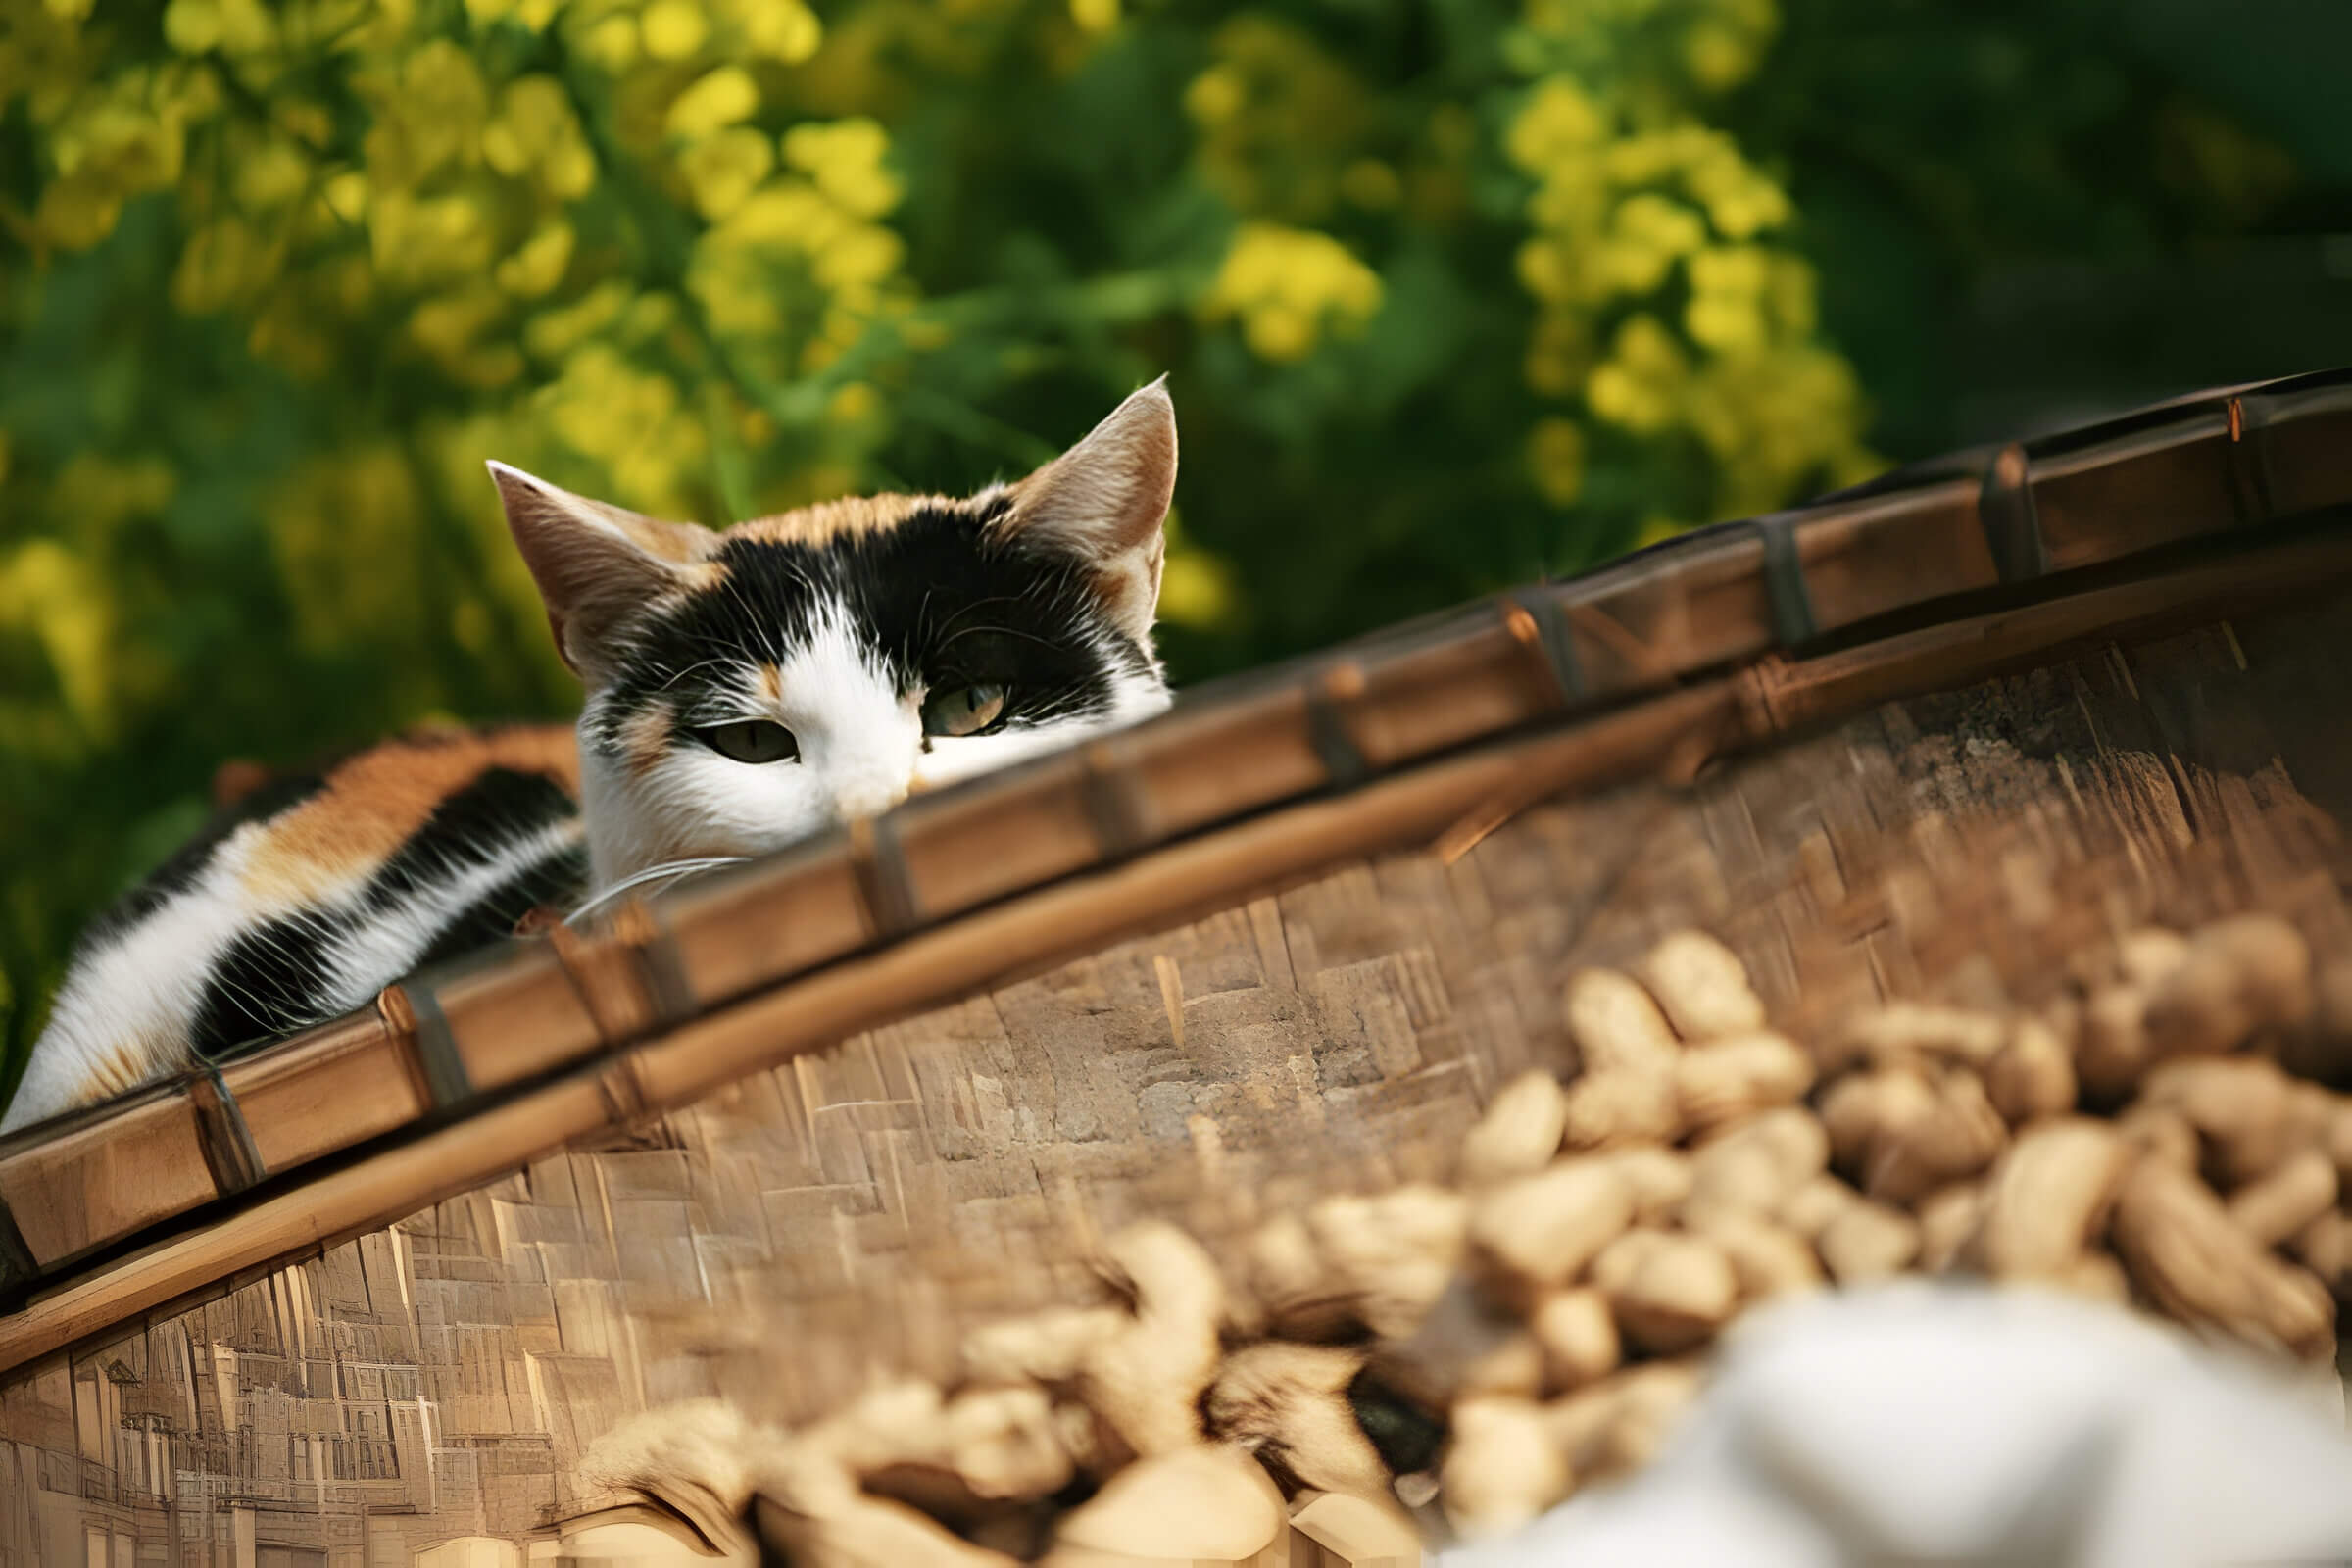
pixel 747 689
pixel 305 899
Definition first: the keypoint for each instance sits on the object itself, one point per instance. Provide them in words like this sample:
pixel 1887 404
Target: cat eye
pixel 965 711
pixel 751 740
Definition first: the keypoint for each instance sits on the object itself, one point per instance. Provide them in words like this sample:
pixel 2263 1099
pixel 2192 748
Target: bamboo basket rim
pixel 1728 637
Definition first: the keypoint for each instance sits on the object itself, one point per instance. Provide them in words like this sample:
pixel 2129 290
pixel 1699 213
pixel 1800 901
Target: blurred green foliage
pixel 1452 293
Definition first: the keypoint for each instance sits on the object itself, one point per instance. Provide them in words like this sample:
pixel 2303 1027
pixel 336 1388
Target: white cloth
pixel 1933 1422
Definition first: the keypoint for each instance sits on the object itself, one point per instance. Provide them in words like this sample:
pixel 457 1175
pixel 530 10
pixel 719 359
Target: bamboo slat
pixel 2035 517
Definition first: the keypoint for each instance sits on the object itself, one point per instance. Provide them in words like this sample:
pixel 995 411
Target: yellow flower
pixel 271 175
pixel 1197 589
pixel 719 99
pixel 430 112
pixel 1216 95
pixel 855 403
pixel 1095 16
pixel 1659 223
pixel 845 158
pixel 785 214
pixel 539 265
pixel 232 26
pixel 1287 285
pixel 1727 323
pixel 1727 286
pixel 1279 333
pixel 76 212
pixel 1560 123
pixel 611 43
pixel 65 601
pixel 1719 57
pixel 536 134
pixel 648 316
pixel 780 29
pixel 723 170
pixel 192 26
pixel 415 242
pixel 1777 420
pixel 1740 201
pixel 1555 458
pixel 1640 386
pixel 1548 270
pixel 863 255
pixel 120 142
pixel 450 327
pixel 346 196
pixel 630 420
pixel 309 124
pixel 553 333
pixel 532 14
pixel 1655 529
pixel 1574 198
pixel 673 29
pixel 1737 270
pixel 1281 119
pixel 733 290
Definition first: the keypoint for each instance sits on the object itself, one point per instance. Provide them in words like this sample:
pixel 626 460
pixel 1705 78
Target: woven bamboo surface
pixel 2224 471
pixel 785 1235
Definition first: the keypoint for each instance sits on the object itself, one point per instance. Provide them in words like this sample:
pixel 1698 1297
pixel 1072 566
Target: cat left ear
pixel 1104 501
pixel 598 566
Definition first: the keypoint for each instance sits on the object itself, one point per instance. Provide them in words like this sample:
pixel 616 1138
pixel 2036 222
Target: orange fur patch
pixel 372 803
pixel 645 736
pixel 129 1063
pixel 850 518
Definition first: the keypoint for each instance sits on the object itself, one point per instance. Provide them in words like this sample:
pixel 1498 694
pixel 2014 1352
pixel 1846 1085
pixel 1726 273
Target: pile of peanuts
pixel 1445 1362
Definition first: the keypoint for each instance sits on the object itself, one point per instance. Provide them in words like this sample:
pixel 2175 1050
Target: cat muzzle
pixel 855 798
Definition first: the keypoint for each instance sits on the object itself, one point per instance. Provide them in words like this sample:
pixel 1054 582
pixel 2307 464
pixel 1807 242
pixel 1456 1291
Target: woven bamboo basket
pixel 364 1298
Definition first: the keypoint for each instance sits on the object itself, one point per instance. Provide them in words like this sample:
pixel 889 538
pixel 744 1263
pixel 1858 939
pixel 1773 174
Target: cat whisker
pixel 696 667
pixel 668 871
pixel 1001 631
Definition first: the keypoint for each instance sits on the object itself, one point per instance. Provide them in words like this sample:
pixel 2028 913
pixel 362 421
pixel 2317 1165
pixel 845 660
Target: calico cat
pixel 746 689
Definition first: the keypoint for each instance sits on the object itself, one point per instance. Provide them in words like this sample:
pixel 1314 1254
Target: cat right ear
pixel 597 566
pixel 1104 502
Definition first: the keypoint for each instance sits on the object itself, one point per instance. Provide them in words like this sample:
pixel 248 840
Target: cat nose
pixel 866 795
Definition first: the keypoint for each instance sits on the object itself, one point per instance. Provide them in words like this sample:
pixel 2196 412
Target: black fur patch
pixel 941 603
pixel 500 805
pixel 559 880
pixel 266 983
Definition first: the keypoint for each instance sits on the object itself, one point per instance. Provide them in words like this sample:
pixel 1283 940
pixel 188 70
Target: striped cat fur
pixel 746 689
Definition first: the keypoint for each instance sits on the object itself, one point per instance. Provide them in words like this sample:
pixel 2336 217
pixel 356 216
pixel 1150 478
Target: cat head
pixel 750 687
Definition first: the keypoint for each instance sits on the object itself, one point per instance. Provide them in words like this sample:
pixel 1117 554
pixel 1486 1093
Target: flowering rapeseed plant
pixel 1450 296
